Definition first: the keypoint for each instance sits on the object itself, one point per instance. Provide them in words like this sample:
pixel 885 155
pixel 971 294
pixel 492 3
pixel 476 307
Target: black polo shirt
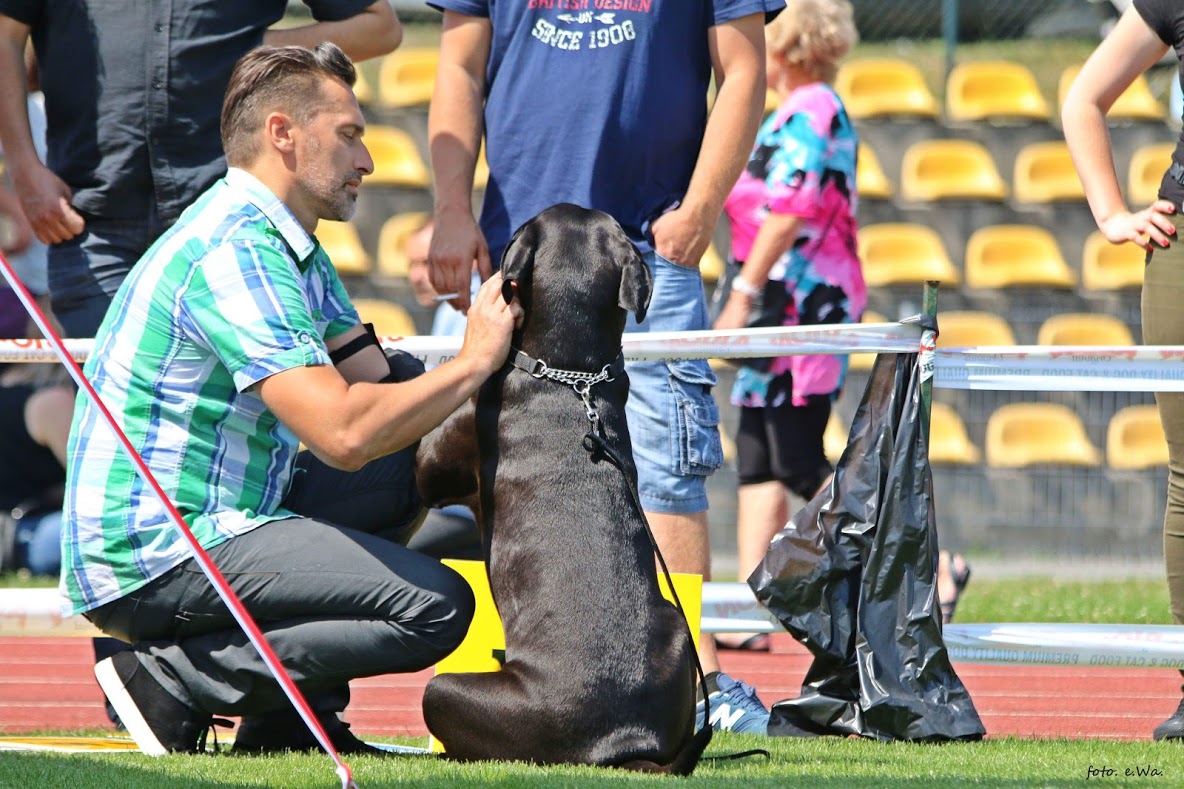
pixel 133 92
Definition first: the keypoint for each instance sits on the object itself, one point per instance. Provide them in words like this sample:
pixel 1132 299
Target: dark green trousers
pixel 1163 324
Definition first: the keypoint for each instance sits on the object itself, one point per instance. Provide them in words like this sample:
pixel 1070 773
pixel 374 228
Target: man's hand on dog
pixel 490 325
pixel 456 250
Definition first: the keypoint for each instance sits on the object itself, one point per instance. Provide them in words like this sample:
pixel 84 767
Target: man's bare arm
pixel 454 132
pixel 368 365
pixel 44 197
pixel 738 59
pixel 348 425
pixel 374 31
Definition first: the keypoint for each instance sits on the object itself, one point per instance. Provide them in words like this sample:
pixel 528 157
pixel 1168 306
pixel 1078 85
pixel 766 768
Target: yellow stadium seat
pixel 711 266
pixel 970 328
pixel 878 87
pixel 396 158
pixel 1009 256
pixel 1106 266
pixel 1044 173
pixel 948 441
pixel 1135 440
pixel 863 362
pixel 870 180
pixel 481 171
pixel 950 169
pixel 406 77
pixel 341 243
pixel 834 438
pixel 994 89
pixel 772 101
pixel 363 90
pixel 1025 434
pixel 1148 164
pixel 389 319
pixel 392 242
pixel 895 253
pixel 1137 102
pixel 1084 328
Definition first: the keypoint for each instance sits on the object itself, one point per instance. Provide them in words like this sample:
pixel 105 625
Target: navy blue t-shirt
pixel 601 103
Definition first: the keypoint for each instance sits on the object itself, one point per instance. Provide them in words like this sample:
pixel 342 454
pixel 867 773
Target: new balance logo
pixel 724 718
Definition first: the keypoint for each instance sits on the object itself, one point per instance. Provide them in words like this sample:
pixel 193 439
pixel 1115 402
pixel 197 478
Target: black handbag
pixel 767 309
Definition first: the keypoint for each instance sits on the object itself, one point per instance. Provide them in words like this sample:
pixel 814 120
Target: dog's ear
pixel 636 282
pixel 518 260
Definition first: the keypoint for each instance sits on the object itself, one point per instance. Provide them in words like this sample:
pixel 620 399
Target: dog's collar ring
pixel 583 389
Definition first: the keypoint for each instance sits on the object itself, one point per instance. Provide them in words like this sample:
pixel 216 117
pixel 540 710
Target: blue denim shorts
pixel 673 417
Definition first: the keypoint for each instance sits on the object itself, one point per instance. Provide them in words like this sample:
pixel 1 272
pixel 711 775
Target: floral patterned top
pixel 803 164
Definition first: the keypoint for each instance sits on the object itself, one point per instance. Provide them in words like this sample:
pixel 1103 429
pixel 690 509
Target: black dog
pixel 600 668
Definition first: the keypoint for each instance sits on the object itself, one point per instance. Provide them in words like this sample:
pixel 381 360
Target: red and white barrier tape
pixel 732 608
pixel 1060 368
pixel 735 344
pixel 1148 368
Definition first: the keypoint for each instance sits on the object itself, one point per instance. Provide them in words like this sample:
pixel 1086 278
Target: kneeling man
pixel 230 343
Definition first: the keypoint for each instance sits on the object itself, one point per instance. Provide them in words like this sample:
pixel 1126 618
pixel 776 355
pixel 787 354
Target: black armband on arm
pixel 356 344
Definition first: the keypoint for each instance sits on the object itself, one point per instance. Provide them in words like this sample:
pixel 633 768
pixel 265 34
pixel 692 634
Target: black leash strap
pixel 595 443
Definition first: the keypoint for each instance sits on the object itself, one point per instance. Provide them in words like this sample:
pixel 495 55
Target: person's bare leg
pixel 761 511
pixel 686 548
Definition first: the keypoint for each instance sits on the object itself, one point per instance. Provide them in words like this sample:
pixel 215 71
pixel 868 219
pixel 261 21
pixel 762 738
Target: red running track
pixel 47 683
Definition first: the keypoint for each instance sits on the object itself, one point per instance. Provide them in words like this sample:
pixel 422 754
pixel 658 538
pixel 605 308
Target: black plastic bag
pixel 853 577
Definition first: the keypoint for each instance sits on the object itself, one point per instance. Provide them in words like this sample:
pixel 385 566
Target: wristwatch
pixel 743 286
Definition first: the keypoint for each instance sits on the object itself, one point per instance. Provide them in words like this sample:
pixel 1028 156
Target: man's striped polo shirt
pixel 234 292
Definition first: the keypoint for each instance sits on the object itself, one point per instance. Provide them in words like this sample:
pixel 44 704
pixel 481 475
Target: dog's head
pixel 576 273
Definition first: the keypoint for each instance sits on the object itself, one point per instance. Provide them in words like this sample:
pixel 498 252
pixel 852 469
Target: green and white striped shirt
pixel 235 292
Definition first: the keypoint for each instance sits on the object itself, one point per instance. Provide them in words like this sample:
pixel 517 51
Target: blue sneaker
pixel 734 706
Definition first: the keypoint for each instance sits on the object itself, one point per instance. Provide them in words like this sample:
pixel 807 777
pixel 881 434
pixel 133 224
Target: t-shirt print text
pixel 570 30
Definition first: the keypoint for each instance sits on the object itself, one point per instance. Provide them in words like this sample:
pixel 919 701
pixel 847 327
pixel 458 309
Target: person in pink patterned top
pixel 792 217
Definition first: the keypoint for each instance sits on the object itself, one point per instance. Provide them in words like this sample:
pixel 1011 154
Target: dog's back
pixel 599 666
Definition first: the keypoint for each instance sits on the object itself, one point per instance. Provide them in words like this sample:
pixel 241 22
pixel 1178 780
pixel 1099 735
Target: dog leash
pixel 582 383
pixel 595 442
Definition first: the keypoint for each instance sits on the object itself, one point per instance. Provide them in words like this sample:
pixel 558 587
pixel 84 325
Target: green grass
pixel 22 580
pixel 799 763
pixel 817 763
pixel 1131 601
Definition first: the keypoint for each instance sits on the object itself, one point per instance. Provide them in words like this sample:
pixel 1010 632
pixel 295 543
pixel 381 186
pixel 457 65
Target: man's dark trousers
pixel 333 591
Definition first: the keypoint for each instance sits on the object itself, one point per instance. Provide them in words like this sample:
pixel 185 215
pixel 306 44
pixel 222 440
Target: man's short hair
pixel 271 79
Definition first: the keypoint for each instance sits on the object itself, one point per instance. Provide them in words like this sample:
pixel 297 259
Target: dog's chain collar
pixel 581 382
